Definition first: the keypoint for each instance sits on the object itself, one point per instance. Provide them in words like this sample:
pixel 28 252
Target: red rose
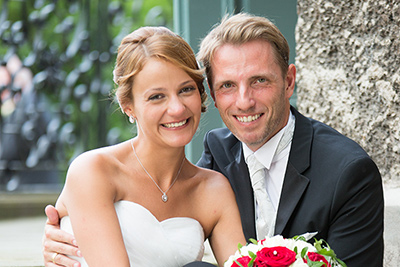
pixel 244 261
pixel 275 257
pixel 317 257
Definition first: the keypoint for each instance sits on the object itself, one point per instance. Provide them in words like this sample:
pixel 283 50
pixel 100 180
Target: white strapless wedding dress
pixel 173 242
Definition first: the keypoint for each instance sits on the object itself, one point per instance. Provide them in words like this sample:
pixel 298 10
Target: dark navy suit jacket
pixel 331 186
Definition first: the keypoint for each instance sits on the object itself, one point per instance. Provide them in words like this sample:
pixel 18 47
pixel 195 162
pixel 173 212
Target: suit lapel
pixel 293 188
pixel 238 175
pixel 295 183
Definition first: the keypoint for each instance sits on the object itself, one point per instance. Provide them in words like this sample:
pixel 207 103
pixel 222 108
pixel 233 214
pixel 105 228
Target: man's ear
pixel 290 80
pixel 212 93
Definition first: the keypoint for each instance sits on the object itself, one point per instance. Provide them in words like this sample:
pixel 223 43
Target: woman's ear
pixel 128 111
pixel 132 119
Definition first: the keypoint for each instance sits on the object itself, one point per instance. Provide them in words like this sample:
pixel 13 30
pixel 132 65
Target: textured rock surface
pixel 348 62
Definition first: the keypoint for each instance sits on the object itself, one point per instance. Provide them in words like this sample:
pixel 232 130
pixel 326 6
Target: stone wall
pixel 348 62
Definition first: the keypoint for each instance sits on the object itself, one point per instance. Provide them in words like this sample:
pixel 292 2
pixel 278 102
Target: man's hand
pixel 58 243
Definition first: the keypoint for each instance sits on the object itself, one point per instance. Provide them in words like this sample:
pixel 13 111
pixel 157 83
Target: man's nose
pixel 244 98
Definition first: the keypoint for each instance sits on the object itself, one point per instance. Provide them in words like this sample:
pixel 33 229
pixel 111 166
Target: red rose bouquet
pixel 284 252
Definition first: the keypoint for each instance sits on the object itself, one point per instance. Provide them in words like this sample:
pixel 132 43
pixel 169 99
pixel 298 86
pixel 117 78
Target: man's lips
pixel 248 118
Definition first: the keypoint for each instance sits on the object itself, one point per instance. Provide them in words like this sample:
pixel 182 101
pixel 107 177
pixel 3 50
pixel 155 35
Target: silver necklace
pixel 164 196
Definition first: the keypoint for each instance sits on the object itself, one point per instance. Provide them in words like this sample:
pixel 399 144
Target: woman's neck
pixel 161 163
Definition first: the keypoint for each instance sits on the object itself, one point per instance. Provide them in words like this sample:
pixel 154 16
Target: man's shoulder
pixel 220 132
pixel 220 148
pixel 328 137
pixel 220 135
pixel 320 146
pixel 325 136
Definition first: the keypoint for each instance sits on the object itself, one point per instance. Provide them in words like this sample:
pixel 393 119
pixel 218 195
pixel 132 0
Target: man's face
pixel 250 92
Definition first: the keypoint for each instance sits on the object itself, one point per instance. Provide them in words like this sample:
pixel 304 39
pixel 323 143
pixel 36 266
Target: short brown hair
pixel 153 42
pixel 239 29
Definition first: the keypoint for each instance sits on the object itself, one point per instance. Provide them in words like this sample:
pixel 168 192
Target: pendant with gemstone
pixel 164 197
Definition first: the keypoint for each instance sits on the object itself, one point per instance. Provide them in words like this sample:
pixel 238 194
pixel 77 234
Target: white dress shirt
pixel 275 163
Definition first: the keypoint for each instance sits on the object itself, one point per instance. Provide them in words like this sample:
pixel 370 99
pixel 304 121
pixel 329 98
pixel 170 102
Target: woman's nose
pixel 176 106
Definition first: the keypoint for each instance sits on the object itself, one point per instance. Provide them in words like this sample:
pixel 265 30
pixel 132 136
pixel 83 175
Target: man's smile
pixel 249 118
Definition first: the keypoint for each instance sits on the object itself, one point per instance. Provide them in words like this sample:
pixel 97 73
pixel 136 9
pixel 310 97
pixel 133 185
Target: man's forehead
pixel 253 49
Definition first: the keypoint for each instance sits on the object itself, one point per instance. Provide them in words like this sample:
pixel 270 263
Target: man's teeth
pixel 248 118
pixel 175 124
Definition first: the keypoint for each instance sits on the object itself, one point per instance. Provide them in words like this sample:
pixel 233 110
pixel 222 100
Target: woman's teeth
pixel 175 124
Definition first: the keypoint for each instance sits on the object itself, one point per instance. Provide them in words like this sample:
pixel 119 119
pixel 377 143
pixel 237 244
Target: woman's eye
pixel 156 97
pixel 188 89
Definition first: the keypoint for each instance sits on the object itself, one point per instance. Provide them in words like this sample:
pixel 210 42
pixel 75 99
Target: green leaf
pixel 318 244
pixel 335 262
pixel 240 246
pixel 314 263
pixel 238 263
pixel 253 241
pixel 327 252
pixel 301 238
pixel 324 249
pixel 304 252
pixel 341 262
pixel 251 262
pixel 252 255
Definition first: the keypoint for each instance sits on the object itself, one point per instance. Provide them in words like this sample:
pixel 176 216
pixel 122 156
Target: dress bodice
pixel 173 242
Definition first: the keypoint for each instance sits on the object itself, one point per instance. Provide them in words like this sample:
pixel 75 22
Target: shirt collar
pixel 265 154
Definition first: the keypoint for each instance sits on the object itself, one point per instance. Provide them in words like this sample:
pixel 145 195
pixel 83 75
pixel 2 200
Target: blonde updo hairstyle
pixel 153 42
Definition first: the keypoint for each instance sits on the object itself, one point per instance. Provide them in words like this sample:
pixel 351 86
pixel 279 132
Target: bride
pixel 141 202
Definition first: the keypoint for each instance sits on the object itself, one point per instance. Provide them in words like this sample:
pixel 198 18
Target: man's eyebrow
pixel 268 76
pixel 218 83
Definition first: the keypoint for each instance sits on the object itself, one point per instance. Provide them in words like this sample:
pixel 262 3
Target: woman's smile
pixel 176 125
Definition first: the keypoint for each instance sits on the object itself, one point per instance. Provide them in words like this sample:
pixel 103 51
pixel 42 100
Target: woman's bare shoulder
pixel 98 167
pixel 91 175
pixel 100 160
pixel 213 182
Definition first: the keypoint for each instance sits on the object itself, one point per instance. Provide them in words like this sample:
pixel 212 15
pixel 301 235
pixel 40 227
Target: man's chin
pixel 252 141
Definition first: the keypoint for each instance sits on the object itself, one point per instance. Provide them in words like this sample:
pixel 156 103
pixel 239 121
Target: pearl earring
pixel 132 119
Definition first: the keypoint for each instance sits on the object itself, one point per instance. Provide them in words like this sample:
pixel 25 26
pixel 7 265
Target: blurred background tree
pixel 69 49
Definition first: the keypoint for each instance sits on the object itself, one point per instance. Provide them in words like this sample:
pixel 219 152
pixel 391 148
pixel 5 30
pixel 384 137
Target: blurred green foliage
pixel 70 47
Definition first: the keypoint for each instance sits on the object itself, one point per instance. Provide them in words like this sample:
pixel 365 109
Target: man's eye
pixel 227 85
pixel 261 80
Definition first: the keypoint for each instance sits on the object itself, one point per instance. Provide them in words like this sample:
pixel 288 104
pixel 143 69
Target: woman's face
pixel 167 103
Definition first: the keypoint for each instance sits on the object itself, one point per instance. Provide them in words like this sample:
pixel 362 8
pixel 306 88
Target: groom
pixel 316 180
pixel 313 178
